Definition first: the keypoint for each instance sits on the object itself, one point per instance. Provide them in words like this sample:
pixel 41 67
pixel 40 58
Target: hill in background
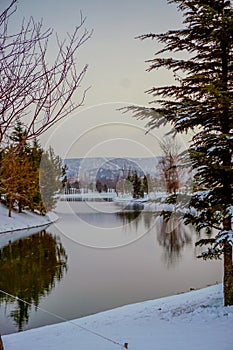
pixel 91 169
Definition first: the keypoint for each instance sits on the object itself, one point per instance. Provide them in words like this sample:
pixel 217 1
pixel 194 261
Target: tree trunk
pixel 10 208
pixel 1 344
pixel 228 275
pixel 20 206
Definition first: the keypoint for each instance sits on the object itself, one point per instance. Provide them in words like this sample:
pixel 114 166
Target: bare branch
pixel 33 90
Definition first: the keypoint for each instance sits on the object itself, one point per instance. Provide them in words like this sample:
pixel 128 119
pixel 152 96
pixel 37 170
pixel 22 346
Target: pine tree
pixel 201 100
pixel 19 136
pixel 9 177
pixel 30 177
pixel 19 151
pixel 137 184
pixel 145 183
pixel 35 156
pixel 16 170
pixel 50 179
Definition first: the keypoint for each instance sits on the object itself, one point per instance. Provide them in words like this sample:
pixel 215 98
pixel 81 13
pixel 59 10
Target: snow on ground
pixel 24 220
pixel 196 321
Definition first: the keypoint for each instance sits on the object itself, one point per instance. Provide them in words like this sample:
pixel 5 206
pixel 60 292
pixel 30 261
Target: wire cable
pixel 125 345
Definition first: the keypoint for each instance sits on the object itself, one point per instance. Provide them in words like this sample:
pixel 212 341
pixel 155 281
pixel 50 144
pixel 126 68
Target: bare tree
pixel 32 89
pixel 171 173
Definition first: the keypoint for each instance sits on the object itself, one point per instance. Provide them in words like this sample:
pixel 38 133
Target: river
pixel 98 256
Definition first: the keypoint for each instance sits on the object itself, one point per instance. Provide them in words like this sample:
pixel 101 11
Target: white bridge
pixel 88 196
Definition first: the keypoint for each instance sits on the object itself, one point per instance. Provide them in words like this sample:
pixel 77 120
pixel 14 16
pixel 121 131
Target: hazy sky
pixel 117 71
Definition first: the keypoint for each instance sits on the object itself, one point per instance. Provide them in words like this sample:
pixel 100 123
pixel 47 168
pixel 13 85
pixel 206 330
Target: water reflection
pixel 135 217
pixel 173 235
pixel 29 269
pixel 136 268
pixel 129 216
pixel 148 219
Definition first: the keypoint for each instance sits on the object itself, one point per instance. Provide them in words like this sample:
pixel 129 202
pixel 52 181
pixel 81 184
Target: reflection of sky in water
pixel 99 224
pixel 99 279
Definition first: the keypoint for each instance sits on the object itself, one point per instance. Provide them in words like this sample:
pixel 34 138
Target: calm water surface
pixel 96 257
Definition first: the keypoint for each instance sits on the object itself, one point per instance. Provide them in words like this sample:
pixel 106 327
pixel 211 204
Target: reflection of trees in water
pixel 129 216
pixel 148 217
pixel 29 269
pixel 172 235
pixel 134 217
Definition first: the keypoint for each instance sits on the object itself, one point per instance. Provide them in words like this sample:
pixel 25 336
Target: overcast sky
pixel 117 71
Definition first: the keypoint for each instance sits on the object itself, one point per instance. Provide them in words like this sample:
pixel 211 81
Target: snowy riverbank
pixel 195 320
pixel 24 220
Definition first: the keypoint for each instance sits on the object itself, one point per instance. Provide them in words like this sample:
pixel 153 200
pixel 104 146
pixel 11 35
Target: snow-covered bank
pixel 24 220
pixel 195 320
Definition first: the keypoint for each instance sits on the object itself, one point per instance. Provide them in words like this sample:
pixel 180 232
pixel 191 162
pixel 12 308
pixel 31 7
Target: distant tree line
pixel 169 175
pixel 30 177
pixel 133 183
